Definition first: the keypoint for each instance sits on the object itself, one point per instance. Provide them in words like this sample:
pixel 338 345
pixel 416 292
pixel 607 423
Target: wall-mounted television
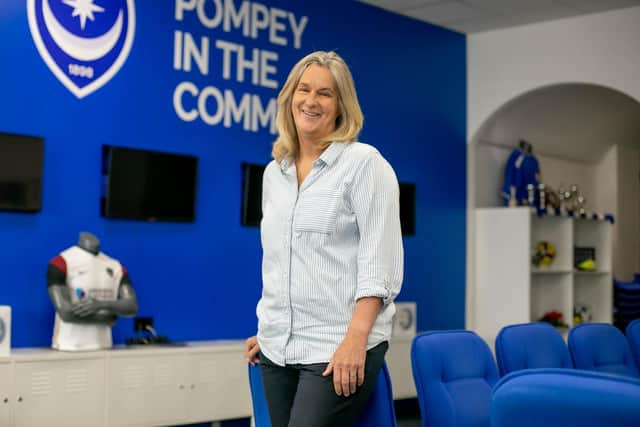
pixel 148 185
pixel 21 165
pixel 251 194
pixel 408 208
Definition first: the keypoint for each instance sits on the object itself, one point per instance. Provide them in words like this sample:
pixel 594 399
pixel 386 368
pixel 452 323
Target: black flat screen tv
pixel 21 165
pixel 408 208
pixel 148 185
pixel 252 194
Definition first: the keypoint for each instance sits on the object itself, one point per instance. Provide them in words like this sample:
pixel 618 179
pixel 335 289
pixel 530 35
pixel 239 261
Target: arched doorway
pixel 582 134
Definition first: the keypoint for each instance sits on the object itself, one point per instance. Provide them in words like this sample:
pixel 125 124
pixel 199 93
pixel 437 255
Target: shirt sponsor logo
pixel 83 42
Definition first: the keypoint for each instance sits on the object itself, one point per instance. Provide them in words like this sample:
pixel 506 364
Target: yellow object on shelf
pixel 587 265
pixel 544 253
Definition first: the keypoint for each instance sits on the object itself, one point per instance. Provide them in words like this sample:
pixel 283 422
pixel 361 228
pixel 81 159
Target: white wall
pixel 489 174
pixel 606 190
pixel 627 255
pixel 606 183
pixel 601 49
pixel 617 185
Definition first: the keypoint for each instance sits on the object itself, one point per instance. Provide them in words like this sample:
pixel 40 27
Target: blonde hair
pixel 349 120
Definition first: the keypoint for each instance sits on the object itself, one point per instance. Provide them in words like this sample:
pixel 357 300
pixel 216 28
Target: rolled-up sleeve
pixel 375 200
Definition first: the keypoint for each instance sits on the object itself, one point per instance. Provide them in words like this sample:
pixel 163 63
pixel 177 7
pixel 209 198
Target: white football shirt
pixel 87 275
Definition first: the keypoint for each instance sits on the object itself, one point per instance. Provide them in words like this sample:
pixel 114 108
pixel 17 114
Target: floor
pixel 409 422
pixel 407 414
pixel 402 422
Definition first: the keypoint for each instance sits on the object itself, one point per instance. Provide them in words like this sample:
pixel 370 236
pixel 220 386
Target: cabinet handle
pixel 19 398
pixel 181 386
pixel 6 400
pixel 193 386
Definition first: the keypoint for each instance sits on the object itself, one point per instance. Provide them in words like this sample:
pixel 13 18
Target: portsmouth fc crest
pixel 83 42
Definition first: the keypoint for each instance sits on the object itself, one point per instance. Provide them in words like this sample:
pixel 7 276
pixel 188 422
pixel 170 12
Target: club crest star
pixel 84 9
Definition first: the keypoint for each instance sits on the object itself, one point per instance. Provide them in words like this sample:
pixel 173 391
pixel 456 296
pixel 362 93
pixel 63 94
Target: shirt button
pixel 298 235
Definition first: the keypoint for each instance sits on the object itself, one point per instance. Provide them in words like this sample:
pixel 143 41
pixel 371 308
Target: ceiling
pixel 473 16
pixel 567 121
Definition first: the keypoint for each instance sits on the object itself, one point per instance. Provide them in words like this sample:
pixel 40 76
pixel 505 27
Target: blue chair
pixel 379 412
pixel 531 345
pixel 454 372
pixel 633 336
pixel 601 347
pixel 565 397
pixel 260 409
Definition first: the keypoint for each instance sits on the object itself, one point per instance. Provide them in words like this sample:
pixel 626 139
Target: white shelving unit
pixel 509 289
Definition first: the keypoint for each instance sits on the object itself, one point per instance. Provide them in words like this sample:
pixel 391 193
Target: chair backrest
pixel 531 345
pixel 454 372
pixel 260 409
pixel 379 411
pixel 633 336
pixel 601 347
pixel 565 397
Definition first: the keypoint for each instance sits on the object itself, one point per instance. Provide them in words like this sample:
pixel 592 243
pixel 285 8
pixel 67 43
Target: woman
pixel 332 253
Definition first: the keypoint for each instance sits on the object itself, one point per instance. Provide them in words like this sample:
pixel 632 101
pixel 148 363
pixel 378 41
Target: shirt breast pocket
pixel 317 211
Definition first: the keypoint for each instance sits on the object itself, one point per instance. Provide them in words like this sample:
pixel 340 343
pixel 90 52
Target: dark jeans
pixel 299 396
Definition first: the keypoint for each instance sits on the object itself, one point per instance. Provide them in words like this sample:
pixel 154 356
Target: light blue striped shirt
pixel 325 245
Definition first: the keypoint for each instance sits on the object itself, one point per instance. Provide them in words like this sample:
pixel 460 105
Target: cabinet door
pixel 146 390
pixel 218 385
pixel 6 394
pixel 66 393
pixel 168 390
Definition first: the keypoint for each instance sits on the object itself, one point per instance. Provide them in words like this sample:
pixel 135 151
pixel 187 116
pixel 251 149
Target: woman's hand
pixel 347 365
pixel 251 349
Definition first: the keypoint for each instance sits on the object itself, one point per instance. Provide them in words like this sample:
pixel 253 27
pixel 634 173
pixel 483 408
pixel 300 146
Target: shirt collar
pixel 328 156
pixel 285 165
pixel 333 151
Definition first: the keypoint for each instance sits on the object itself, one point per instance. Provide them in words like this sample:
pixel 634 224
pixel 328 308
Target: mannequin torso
pixel 88 290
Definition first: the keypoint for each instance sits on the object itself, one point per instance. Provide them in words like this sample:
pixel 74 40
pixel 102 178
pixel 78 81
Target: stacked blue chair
pixel 601 347
pixel 531 345
pixel 626 302
pixel 379 411
pixel 633 336
pixel 565 397
pixel 454 372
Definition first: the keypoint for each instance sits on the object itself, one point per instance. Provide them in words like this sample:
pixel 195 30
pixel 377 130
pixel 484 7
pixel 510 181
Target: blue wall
pixel 202 280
